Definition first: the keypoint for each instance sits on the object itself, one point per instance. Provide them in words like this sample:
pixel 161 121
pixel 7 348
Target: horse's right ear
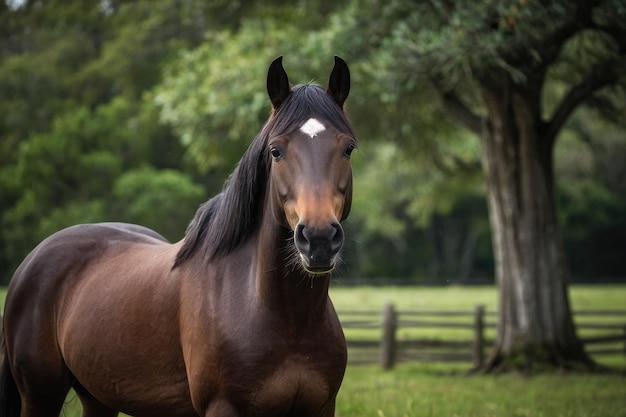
pixel 277 83
pixel 339 82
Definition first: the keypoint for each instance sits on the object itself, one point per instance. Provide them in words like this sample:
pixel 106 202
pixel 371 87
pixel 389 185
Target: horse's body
pixel 234 320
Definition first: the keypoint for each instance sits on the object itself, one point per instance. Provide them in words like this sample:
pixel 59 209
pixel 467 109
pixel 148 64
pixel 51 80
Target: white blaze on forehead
pixel 312 127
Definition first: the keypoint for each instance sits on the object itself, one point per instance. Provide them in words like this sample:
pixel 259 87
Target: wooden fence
pixel 391 336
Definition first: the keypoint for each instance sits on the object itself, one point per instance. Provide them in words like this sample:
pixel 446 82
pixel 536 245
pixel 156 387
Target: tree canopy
pixel 138 110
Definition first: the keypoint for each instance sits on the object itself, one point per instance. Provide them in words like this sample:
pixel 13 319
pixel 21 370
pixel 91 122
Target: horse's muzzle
pixel 319 246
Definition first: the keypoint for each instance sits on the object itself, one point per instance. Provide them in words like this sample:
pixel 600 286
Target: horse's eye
pixel 275 152
pixel 349 150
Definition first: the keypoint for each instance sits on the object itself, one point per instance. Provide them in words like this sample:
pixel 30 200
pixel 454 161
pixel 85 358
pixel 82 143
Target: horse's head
pixel 310 171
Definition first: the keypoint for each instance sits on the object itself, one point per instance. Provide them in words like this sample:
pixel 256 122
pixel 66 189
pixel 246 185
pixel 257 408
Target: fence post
pixel 388 341
pixel 479 341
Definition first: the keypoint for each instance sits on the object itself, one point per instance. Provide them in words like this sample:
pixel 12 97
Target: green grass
pixel 421 390
pixel 459 297
pixel 443 390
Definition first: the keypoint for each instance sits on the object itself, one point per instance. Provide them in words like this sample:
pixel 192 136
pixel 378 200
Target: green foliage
pixel 214 96
pixel 74 212
pixel 438 185
pixel 589 162
pixel 105 102
pixel 450 43
pixel 161 200
pixel 73 82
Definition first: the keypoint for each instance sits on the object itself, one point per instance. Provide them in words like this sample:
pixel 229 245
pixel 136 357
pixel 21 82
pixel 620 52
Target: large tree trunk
pixel 535 326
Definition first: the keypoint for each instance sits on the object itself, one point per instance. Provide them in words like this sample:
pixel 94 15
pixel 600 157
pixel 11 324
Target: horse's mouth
pixel 316 269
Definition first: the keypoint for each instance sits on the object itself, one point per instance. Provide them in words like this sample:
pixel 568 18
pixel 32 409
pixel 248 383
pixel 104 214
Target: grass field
pixel 460 297
pixel 419 390
pixel 443 390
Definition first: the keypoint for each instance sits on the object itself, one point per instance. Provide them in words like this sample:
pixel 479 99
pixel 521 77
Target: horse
pixel 233 320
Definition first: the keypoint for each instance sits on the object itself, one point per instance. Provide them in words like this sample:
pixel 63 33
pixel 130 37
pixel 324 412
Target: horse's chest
pixel 283 378
pixel 292 389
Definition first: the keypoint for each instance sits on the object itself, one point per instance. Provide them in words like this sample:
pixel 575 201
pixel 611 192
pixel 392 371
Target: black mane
pixel 225 221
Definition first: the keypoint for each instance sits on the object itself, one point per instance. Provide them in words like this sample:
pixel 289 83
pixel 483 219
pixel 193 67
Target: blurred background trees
pixel 138 110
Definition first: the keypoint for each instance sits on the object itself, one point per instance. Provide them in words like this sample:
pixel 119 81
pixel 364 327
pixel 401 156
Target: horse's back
pixel 68 251
pixel 89 297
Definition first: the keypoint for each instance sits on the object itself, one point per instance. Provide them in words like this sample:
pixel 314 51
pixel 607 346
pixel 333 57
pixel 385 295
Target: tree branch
pixel 461 113
pixel 548 48
pixel 600 76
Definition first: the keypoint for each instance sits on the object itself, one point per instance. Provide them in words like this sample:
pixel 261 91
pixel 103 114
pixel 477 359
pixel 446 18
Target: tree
pixel 81 90
pixel 211 97
pixel 491 64
pixel 73 75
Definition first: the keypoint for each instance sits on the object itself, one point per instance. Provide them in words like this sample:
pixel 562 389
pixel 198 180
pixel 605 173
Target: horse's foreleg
pixel 43 400
pixel 36 403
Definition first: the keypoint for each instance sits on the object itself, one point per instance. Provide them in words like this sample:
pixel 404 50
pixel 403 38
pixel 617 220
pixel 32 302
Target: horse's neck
pixel 282 284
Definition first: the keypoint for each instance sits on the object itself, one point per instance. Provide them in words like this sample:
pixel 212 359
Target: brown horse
pixel 234 320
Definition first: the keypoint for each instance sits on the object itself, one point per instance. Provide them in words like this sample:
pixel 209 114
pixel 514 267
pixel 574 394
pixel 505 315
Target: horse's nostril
pixel 300 236
pixel 336 239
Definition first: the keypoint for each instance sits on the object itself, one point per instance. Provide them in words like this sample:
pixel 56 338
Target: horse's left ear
pixel 339 82
pixel 277 83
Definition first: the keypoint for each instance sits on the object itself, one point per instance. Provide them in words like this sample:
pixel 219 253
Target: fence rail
pixel 391 336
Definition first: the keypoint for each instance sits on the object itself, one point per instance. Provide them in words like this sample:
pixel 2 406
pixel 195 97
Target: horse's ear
pixel 277 83
pixel 339 82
